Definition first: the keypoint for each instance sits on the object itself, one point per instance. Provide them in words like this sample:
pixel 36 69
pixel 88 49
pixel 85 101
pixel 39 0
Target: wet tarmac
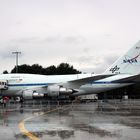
pixel 111 120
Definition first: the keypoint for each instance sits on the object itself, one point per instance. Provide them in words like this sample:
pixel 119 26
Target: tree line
pixel 63 68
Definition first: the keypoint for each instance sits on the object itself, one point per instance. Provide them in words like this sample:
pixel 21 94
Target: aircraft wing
pixel 75 84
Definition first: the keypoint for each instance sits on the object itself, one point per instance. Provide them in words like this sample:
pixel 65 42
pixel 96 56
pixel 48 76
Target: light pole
pixel 16 53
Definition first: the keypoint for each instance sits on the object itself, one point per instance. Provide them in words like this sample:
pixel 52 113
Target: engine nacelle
pixel 55 91
pixel 30 94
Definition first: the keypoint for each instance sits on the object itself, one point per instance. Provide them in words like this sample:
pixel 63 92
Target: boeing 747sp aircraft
pixel 125 71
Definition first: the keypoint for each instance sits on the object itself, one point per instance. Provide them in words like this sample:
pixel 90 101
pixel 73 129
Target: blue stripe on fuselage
pixel 101 83
pixel 33 84
pixel 47 84
pixel 113 82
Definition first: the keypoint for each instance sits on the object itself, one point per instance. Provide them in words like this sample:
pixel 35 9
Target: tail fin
pixel 128 63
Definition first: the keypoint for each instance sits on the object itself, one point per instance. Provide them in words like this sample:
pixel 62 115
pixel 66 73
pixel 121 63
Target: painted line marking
pixel 25 131
pixel 28 133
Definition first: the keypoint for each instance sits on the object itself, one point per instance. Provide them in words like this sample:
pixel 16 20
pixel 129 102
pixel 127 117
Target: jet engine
pixel 55 91
pixel 52 91
pixel 30 94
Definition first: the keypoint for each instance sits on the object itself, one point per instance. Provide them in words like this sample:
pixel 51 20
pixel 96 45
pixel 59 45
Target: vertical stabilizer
pixel 128 63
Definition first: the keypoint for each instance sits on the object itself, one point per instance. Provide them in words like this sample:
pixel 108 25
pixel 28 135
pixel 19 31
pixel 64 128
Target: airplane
pixel 123 72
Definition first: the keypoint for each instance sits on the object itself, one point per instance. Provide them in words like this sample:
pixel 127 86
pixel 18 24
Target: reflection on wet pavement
pixel 110 120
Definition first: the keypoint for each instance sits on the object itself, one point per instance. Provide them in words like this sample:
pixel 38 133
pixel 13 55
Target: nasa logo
pixel 116 68
pixel 130 60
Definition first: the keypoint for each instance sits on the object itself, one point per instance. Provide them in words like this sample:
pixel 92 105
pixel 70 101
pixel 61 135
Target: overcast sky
pixel 88 34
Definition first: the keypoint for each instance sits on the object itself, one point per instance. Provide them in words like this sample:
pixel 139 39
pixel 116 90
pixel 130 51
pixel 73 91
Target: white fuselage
pixel 20 82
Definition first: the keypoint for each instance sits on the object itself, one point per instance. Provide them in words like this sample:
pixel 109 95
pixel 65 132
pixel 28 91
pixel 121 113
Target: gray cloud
pixel 88 34
pixel 74 40
pixel 93 63
pixel 111 59
pixel 25 40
